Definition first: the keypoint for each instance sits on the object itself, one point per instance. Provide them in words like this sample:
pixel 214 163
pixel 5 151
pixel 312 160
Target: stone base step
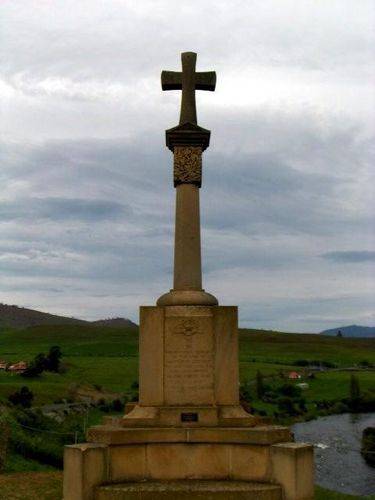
pixel 189 489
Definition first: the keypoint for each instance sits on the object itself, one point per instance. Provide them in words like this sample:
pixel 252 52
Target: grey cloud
pixel 287 178
pixel 265 195
pixel 306 312
pixel 112 40
pixel 349 257
pixel 58 209
pixel 246 194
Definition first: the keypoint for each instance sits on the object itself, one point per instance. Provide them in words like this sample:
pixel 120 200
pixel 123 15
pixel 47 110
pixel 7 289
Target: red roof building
pixel 18 367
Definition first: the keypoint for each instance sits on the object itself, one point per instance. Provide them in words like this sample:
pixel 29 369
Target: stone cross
pixel 187 141
pixel 188 81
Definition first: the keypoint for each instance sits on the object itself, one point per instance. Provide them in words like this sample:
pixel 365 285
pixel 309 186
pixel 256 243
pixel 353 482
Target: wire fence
pixel 46 431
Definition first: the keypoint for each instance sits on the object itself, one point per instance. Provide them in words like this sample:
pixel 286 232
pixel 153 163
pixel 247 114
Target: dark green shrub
pixel 368 445
pixel 259 385
pixel 53 358
pixel 23 397
pixel 365 364
pixel 286 407
pixel 36 367
pixel 301 362
pixel 289 390
pixel 118 405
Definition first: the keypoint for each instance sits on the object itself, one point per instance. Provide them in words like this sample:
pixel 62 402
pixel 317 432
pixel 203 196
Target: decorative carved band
pixel 188 165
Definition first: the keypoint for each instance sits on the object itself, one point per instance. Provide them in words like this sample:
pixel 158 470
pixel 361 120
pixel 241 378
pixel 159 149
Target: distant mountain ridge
pixel 20 317
pixel 115 323
pixel 352 331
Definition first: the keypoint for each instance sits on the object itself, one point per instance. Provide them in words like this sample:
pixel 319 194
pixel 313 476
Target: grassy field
pixel 101 356
pixel 279 347
pixel 322 494
pixel 108 358
pixel 31 486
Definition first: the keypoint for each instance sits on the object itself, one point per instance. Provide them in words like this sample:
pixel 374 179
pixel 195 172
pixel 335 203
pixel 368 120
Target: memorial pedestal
pixel 188 374
pixel 188 423
pixel 174 461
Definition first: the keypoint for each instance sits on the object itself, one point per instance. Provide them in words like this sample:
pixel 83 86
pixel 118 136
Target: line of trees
pixel 290 401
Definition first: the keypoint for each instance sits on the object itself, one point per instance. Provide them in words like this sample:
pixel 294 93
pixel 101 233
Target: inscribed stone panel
pixel 189 356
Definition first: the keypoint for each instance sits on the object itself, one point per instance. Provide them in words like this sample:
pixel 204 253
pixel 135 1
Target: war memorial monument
pixel 188 436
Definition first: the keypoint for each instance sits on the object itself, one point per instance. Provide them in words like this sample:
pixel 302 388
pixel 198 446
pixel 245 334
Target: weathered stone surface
pixel 187 461
pixel 189 356
pixel 236 416
pixel 85 466
pixel 88 466
pixel 187 134
pixel 226 355
pixel 250 462
pixel 151 356
pixel 187 298
pixel 127 462
pixel 187 247
pixel 252 435
pixel 188 416
pixel 293 469
pixel 187 490
pixel 128 435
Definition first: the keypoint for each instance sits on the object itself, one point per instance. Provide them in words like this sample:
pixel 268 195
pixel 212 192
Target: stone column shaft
pixel 187 282
pixel 187 249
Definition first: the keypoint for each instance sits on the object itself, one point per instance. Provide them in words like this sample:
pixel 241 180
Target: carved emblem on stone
pixel 188 165
pixel 187 327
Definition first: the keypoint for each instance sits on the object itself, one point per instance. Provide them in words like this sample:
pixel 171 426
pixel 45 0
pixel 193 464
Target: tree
pixel 4 441
pixel 355 391
pixel 286 406
pixel 354 394
pixel 36 367
pixel 290 390
pixel 23 397
pixel 41 362
pixel 53 359
pixel 259 384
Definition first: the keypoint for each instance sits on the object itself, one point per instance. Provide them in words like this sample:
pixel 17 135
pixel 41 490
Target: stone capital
pixel 187 134
pixel 187 167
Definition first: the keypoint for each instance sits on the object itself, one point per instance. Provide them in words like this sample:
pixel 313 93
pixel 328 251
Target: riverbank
pixel 323 494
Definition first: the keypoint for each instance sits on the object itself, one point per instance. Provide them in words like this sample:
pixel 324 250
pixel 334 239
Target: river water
pixel 338 463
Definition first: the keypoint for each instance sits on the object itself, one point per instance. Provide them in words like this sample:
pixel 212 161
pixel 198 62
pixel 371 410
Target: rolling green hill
pixel 351 331
pixel 103 361
pixel 20 317
pixel 108 357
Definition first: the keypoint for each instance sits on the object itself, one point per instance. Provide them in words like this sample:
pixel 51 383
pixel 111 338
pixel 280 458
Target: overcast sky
pixel 87 200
